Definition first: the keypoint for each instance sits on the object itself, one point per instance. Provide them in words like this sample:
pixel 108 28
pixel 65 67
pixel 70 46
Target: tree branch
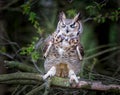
pixel 20 76
pixel 8 5
pixel 34 91
pixel 20 66
pixel 55 81
pixel 22 82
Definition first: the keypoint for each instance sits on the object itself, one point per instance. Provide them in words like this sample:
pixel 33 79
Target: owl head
pixel 69 27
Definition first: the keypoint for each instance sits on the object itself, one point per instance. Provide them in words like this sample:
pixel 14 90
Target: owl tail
pixel 62 70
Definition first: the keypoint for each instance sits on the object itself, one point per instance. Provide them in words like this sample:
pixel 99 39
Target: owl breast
pixel 61 51
pixel 63 47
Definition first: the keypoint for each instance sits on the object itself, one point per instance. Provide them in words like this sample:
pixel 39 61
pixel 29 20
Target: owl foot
pixel 50 73
pixel 73 77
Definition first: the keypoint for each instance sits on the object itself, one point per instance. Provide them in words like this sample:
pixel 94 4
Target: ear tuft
pixel 62 16
pixel 77 17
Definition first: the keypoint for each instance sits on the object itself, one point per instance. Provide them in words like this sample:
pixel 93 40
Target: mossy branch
pixel 20 76
pixel 55 81
pixel 20 81
pixel 20 66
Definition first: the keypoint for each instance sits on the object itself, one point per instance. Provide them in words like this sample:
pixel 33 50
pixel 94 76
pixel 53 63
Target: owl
pixel 63 51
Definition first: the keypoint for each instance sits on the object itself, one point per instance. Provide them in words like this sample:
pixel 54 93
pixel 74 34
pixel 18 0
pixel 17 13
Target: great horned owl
pixel 63 52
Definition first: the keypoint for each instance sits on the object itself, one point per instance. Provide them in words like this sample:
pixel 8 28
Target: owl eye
pixel 63 25
pixel 72 25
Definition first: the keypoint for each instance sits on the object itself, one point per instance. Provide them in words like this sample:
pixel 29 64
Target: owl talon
pixel 50 73
pixel 73 77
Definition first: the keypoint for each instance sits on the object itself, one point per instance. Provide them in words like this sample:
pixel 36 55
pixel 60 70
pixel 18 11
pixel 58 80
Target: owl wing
pixel 80 51
pixel 47 45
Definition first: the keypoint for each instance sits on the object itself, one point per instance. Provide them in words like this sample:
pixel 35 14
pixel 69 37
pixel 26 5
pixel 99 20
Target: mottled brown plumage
pixel 63 51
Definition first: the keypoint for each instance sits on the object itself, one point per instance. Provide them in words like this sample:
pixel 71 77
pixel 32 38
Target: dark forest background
pixel 24 24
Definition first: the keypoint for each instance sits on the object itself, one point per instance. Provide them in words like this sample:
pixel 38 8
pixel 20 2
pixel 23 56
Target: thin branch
pixel 87 19
pixel 102 52
pixel 9 4
pixel 36 90
pixel 100 47
pixel 39 43
pixel 48 84
pixel 21 89
pixel 107 77
pixel 13 47
pixel 10 43
pixel 37 68
pixel 17 88
pixel 7 55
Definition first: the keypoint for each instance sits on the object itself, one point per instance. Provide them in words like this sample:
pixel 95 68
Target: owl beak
pixel 66 39
pixel 67 30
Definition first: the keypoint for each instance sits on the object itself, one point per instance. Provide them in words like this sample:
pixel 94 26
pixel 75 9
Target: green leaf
pixel 36 24
pixel 71 13
pixel 32 17
pixel 35 55
pixel 26 8
pixel 102 19
pixel 89 7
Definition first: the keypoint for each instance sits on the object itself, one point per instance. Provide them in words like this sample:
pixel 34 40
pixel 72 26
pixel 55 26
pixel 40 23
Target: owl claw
pixel 73 77
pixel 50 73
